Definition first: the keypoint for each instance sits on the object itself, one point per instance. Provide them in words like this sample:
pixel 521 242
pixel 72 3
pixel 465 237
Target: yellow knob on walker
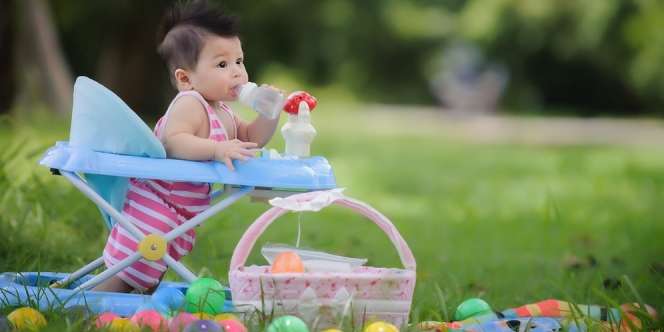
pixel 152 247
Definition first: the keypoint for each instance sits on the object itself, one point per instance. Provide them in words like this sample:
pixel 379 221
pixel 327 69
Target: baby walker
pixel 109 144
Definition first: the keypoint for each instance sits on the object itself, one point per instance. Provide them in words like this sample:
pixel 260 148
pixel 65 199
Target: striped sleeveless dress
pixel 156 206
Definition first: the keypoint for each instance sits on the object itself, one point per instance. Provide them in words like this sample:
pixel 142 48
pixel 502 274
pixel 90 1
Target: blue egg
pixel 168 299
pixel 203 325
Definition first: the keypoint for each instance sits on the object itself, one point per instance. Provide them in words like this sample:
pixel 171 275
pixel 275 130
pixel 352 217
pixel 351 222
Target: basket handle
pixel 248 239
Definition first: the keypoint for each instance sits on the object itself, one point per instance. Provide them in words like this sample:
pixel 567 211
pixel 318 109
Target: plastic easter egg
pixel 332 330
pixel 105 319
pixel 123 325
pixel 287 324
pixel 5 324
pixel 203 315
pixel 630 320
pixel 287 262
pixel 203 325
pixel 27 318
pixel 168 299
pixel 149 318
pixel 226 316
pixel 206 295
pixel 180 321
pixel 232 325
pixel 471 308
pixel 381 327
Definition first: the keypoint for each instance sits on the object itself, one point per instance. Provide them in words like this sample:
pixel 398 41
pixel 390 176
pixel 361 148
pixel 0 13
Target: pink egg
pixel 149 318
pixel 180 321
pixel 105 319
pixel 232 325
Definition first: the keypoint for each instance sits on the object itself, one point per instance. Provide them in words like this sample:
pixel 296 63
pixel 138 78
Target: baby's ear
pixel 182 79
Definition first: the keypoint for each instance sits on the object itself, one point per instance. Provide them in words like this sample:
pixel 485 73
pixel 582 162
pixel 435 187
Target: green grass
pixel 512 224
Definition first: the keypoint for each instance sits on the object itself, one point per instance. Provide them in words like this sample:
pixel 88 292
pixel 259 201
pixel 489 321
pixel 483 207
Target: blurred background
pixel 587 58
pixel 505 139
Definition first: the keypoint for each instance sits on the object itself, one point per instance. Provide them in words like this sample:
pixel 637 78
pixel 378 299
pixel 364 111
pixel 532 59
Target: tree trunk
pixel 53 74
pixel 8 81
pixel 129 65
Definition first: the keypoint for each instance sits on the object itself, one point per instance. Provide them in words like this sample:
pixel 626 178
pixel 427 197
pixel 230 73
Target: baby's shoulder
pixel 188 107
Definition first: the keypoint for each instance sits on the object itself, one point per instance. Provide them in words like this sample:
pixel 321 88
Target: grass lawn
pixel 512 224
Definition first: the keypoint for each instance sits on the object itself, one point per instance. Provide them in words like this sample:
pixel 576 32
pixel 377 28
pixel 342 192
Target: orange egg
pixel 287 262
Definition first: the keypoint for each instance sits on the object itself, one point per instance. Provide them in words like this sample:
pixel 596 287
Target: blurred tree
pixel 643 33
pixel 8 81
pixel 367 46
pixel 44 67
pixel 319 43
pixel 114 42
pixel 594 56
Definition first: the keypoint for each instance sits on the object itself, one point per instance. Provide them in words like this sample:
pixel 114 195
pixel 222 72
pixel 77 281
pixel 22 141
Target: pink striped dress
pixel 156 206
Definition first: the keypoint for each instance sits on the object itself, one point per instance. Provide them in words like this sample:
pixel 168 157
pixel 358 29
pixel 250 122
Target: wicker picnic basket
pixel 325 298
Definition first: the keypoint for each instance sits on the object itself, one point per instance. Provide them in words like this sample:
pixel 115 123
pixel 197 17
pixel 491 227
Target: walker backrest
pixel 102 122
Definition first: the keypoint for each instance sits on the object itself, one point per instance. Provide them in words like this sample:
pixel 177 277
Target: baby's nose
pixel 238 70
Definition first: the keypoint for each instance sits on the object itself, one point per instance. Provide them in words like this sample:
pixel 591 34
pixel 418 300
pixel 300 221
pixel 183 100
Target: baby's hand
pixel 227 150
pixel 274 88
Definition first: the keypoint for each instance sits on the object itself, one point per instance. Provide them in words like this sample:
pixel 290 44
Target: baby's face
pixel 220 69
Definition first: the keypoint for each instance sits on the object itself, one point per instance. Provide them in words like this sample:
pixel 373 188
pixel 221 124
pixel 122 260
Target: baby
pixel 204 56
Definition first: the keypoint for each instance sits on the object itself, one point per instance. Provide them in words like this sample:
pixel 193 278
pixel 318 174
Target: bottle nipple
pixel 245 91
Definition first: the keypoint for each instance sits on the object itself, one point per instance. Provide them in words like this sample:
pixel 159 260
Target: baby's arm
pixel 182 141
pixel 258 131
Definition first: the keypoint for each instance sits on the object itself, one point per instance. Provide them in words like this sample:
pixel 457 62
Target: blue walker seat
pixel 102 122
pixel 109 144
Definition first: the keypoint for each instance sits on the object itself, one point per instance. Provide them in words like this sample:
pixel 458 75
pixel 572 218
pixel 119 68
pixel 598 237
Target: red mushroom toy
pixel 292 105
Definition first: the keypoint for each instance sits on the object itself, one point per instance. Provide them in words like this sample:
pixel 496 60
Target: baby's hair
pixel 184 28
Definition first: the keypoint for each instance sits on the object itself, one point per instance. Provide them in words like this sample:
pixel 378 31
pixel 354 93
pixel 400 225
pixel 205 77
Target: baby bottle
pixel 262 99
pixel 298 132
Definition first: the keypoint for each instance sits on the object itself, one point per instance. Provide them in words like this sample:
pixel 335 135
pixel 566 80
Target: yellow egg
pixel 203 315
pixel 226 316
pixel 123 325
pixel 287 262
pixel 27 318
pixel 381 327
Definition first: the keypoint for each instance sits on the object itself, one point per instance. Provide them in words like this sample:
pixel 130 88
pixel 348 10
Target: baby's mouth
pixel 235 91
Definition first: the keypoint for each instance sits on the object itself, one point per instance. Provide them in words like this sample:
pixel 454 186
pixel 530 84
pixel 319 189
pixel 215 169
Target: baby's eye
pixel 222 64
pixel 239 61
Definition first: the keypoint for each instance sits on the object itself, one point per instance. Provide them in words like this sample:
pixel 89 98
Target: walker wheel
pixel 152 247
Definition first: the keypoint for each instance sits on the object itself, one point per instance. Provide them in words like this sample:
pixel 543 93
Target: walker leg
pixel 96 280
pixel 79 273
pixel 180 269
pixel 102 204
pixel 211 211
